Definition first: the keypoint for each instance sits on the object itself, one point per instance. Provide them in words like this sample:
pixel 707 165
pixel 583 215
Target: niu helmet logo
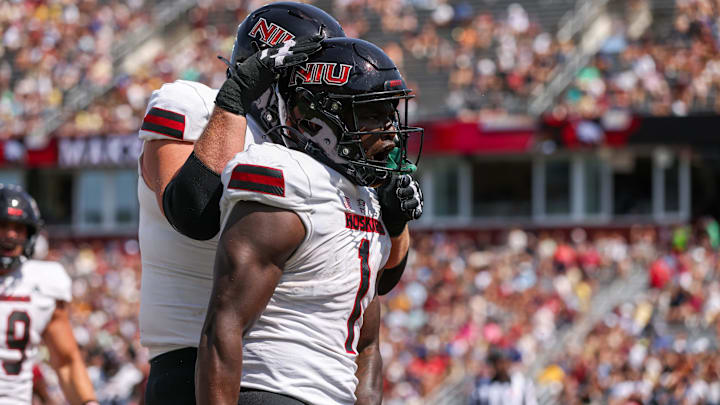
pixel 270 34
pixel 330 73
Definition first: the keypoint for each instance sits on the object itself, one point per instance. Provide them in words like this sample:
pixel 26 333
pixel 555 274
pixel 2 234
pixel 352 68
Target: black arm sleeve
pixel 390 277
pixel 191 200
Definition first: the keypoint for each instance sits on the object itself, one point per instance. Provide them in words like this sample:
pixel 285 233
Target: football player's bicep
pixel 255 244
pixel 160 162
pixel 58 337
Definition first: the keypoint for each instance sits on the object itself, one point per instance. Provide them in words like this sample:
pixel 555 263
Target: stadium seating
pixel 482 58
pixel 461 295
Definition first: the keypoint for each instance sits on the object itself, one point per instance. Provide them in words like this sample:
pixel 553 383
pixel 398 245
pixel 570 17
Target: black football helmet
pixel 271 25
pixel 344 93
pixel 18 206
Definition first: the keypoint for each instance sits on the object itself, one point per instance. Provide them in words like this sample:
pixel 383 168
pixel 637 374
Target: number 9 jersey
pixel 28 296
pixel 305 342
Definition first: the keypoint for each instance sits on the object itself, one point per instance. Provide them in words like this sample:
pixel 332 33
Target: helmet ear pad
pixel 29 248
pixel 317 126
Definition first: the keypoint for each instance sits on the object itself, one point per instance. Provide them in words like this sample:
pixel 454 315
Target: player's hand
pixel 290 53
pixel 401 201
pixel 249 79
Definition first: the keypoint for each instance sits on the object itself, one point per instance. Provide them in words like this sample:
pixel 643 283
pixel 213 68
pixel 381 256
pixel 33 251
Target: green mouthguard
pixel 393 162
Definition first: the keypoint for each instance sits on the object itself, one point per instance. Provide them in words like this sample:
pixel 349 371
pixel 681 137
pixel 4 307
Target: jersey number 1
pixel 17 342
pixel 363 254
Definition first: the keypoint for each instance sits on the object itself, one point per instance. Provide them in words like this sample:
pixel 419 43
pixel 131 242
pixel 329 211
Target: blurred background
pixel 569 243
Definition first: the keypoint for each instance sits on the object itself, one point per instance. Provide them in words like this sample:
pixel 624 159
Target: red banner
pixel 453 137
pixel 96 151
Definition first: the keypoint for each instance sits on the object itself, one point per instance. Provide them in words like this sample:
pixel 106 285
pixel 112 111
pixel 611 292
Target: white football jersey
pixel 305 342
pixel 176 270
pixel 28 297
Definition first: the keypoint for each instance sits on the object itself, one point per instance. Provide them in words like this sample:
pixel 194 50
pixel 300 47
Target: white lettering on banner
pixel 70 152
pixel 121 150
pixel 14 151
pixel 114 150
pixel 94 151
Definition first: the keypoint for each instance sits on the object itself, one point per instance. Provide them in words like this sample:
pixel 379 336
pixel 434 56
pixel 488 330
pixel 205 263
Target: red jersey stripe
pixel 259 179
pixel 14 298
pixel 154 119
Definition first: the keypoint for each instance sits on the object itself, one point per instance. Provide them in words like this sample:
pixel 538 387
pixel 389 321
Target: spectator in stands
pixel 502 386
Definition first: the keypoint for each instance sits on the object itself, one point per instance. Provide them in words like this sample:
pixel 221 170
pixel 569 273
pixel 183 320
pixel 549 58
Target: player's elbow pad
pixel 390 277
pixel 191 200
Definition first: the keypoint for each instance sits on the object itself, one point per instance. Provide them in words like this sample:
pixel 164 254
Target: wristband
pixel 390 277
pixel 395 229
pixel 229 98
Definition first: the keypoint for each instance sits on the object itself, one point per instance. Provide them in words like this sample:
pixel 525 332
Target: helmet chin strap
pixel 10 262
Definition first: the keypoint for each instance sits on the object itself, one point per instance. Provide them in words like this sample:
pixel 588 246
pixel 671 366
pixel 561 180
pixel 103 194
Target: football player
pixel 34 298
pixel 179 198
pixel 304 236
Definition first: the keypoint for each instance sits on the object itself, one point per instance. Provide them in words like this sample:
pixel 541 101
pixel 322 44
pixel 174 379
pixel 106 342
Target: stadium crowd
pixel 464 295
pixel 671 70
pixel 454 301
pixel 37 72
pixel 492 63
pixel 661 346
pixel 464 298
pixel 49 47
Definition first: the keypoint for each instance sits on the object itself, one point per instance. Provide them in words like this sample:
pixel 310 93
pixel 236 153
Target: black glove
pixel 401 201
pixel 249 79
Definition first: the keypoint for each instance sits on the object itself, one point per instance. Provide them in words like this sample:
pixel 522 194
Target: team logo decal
pixel 270 34
pixel 330 73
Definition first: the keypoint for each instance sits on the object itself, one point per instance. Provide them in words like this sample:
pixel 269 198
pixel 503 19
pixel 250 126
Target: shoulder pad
pixel 178 111
pixel 269 174
pixel 51 279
